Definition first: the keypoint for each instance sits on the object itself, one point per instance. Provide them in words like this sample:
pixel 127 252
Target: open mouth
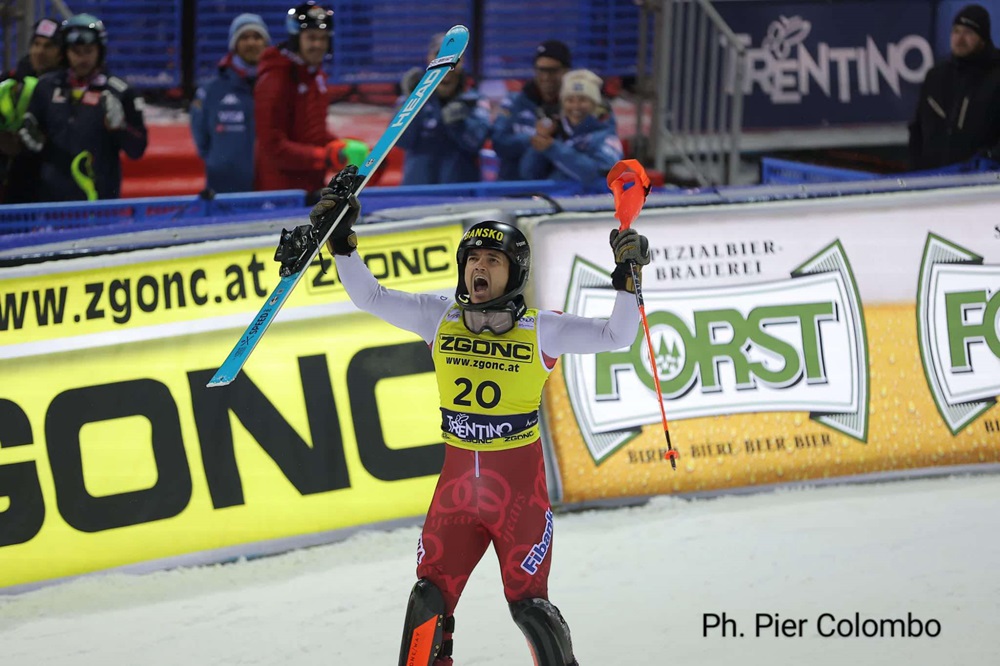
pixel 480 285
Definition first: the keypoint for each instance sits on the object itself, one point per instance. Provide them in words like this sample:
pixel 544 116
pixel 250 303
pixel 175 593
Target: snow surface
pixel 633 583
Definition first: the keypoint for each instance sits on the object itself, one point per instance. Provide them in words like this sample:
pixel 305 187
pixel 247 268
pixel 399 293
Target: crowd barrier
pixel 23 225
pixel 774 171
pixel 798 340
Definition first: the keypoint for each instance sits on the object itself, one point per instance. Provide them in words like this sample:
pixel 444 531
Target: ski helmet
pixel 308 15
pixel 493 235
pixel 85 29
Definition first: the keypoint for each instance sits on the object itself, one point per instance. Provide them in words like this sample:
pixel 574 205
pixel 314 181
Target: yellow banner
pixel 119 454
pixel 905 431
pixel 156 287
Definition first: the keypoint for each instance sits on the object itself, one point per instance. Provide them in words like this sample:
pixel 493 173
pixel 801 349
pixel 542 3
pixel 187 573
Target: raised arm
pixel 419 313
pixel 570 334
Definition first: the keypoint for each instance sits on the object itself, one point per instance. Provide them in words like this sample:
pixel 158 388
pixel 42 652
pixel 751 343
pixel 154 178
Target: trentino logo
pixel 786 70
pixel 788 345
pixel 958 327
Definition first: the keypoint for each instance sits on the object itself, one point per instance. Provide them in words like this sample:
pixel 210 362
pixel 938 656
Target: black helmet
pixel 308 15
pixel 84 29
pixel 493 235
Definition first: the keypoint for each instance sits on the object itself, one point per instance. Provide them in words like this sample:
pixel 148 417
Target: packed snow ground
pixel 633 583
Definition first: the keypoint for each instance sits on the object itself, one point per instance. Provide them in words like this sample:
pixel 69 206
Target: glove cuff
pixel 343 245
pixel 621 277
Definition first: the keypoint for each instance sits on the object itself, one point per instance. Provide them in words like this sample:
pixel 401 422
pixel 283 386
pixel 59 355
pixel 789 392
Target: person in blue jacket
pixel 81 118
pixel 442 143
pixel 539 98
pixel 581 147
pixel 222 113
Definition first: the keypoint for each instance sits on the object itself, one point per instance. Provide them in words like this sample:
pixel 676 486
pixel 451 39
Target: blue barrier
pixel 27 218
pixel 775 171
pixel 35 224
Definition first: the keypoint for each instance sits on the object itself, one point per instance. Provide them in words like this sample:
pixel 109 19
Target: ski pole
pixel 630 184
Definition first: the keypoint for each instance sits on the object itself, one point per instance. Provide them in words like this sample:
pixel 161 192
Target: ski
pixel 297 248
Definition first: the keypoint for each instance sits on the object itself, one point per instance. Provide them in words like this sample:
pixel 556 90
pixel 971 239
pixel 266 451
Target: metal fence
pixel 694 87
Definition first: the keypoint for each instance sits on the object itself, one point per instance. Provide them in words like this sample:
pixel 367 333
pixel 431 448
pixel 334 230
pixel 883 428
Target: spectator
pixel 222 118
pixel 515 122
pixel 443 141
pixel 583 145
pixel 81 118
pixel 19 169
pixel 958 111
pixel 295 150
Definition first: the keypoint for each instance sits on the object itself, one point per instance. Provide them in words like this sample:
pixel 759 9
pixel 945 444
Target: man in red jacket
pixel 295 150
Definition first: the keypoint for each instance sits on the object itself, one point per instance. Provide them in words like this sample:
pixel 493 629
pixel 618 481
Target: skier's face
pixel 313 45
pixel 486 274
pixel 965 42
pixel 250 45
pixel 83 59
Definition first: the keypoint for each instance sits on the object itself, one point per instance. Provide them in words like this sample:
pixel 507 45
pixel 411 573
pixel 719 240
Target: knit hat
pixel 581 82
pixel 976 19
pixel 554 49
pixel 46 27
pixel 243 23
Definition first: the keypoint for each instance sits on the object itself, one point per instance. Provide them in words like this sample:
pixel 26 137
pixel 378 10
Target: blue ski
pixel 452 47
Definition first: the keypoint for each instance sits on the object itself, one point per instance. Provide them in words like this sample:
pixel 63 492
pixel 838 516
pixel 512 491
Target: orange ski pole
pixel 630 184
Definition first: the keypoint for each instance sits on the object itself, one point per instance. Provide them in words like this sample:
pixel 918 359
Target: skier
pixel 492 355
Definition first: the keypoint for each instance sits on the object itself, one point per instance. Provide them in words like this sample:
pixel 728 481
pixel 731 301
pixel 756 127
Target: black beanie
pixel 976 19
pixel 556 50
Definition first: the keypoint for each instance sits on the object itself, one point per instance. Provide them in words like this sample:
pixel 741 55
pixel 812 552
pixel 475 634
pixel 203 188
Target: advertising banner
pixel 822 63
pixel 113 451
pixel 793 341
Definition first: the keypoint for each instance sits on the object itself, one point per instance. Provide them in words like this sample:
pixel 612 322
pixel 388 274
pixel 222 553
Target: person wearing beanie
pixel 82 118
pixel 539 98
pixel 583 146
pixel 958 110
pixel 20 169
pixel 442 143
pixel 222 112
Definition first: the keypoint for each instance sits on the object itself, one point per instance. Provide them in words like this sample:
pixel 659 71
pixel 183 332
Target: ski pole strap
pixel 13 114
pixel 82 169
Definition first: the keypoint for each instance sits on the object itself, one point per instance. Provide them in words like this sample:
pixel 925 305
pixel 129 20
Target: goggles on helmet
pixel 76 36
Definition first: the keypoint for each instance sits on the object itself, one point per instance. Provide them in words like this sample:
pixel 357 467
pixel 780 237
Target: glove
pixel 31 134
pixel 114 112
pixel 343 152
pixel 454 112
pixel 343 241
pixel 629 247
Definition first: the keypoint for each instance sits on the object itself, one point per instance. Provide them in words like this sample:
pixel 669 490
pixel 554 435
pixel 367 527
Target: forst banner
pixel 794 341
pixel 113 452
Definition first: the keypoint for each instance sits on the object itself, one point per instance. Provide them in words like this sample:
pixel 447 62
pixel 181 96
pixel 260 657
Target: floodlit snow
pixel 633 583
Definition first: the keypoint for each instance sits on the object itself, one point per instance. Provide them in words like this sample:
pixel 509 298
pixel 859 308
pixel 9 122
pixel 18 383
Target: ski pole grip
pixel 630 185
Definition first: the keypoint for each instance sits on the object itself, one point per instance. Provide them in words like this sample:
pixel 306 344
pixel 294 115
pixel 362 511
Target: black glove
pixel 630 247
pixel 343 240
pixel 454 112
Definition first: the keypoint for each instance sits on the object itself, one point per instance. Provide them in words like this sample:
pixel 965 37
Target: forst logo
pixel 789 345
pixel 686 354
pixel 958 328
